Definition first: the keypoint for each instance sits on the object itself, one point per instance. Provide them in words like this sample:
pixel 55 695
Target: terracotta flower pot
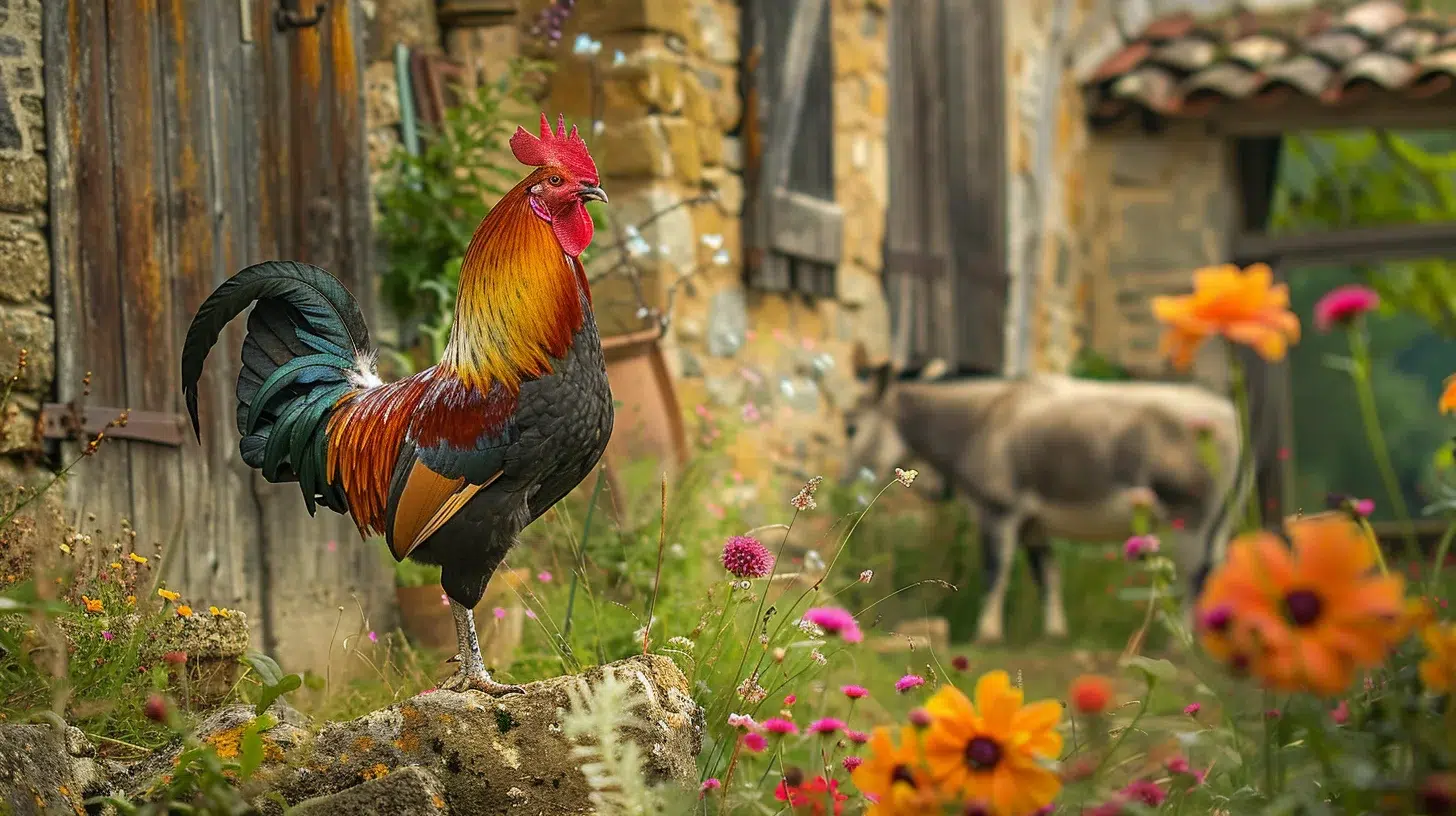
pixel 427 621
pixel 649 422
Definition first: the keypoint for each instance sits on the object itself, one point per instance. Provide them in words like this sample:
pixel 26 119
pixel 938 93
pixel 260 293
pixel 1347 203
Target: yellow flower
pixel 184 611
pixel 994 752
pixel 92 604
pixel 216 612
pixel 66 548
pixel 115 565
pixel 140 559
pixel 894 775
pixel 131 600
pixel 168 594
pixel 1244 306
pixel 1438 670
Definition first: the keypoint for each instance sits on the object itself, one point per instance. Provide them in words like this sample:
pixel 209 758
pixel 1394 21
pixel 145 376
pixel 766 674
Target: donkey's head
pixel 875 446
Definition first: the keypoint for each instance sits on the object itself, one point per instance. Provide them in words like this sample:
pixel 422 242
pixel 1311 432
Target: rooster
pixel 449 464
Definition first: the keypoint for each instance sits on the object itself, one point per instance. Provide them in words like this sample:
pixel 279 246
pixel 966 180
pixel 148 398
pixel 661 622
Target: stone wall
pixel 25 273
pixel 1162 207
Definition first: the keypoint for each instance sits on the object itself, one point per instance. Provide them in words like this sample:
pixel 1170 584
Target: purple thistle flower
pixel 908 682
pixel 745 557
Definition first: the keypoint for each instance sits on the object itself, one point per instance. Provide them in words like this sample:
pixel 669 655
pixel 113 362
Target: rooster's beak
pixel 589 193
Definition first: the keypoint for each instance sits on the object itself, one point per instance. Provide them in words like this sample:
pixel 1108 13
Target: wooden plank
pixel 62 40
pixel 806 227
pixel 102 494
pixel 1303 114
pixel 149 348
pixel 1351 245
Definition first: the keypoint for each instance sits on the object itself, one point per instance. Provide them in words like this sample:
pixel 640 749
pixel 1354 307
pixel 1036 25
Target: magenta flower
pixel 709 785
pixel 754 742
pixel 1145 791
pixel 106 635
pixel 544 577
pixel 1341 305
pixel 835 621
pixel 780 726
pixel 854 692
pixel 856 737
pixel 500 614
pixel 373 636
pixel 1341 714
pixel 1139 546
pixel 790 699
pixel 827 725
pixel 1364 506
pixel 745 557
pixel 852 762
pixel 1177 765
pixel 1192 709
pixel 920 718
pixel 908 682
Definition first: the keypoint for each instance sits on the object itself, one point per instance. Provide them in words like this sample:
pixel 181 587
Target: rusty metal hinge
pixel 69 421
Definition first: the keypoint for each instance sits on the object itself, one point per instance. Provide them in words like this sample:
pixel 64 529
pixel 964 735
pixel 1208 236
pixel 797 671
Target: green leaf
pixel 252 751
pixel 265 667
pixel 1154 669
pixel 273 692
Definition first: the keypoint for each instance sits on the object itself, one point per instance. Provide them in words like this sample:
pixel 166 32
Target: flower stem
pixel 1239 386
pixel 1440 563
pixel 1360 352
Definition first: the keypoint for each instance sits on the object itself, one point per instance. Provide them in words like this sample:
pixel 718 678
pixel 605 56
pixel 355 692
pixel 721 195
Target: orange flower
pixel 185 611
pixel 1448 397
pixel 168 594
pixel 1302 620
pixel 1091 693
pixel 92 604
pixel 1246 306
pixel 1438 669
pixel 894 776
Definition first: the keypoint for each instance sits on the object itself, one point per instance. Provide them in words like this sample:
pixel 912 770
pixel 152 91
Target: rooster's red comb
pixel 561 148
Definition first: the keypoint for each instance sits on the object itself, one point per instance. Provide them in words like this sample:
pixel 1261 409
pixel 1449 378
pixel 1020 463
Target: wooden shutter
pixel 793 228
pixel 945 236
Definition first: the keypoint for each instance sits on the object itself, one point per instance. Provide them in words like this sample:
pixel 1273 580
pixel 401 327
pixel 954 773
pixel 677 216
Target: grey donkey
pixel 1054 456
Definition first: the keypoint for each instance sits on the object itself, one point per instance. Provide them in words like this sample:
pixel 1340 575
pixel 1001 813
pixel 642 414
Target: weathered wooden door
pixel 188 139
pixel 945 234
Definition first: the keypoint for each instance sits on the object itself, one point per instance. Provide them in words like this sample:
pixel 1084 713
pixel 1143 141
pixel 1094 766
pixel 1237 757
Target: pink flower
pixel 827 725
pixel 1341 305
pixel 106 635
pixel 920 718
pixel 1192 709
pixel 1364 506
pixel 1178 764
pixel 835 621
pixel 1145 791
pixel 373 637
pixel 1139 546
pixel 444 599
pixel 854 692
pixel 544 577
pixel 1341 714
pixel 856 737
pixel 500 614
pixel 780 726
pixel 852 762
pixel 754 742
pixel 908 682
pixel 710 784
pixel 741 721
pixel 531 613
pixel 790 699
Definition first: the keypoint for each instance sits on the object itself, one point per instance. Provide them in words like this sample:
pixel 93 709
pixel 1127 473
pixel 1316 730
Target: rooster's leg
pixel 472 673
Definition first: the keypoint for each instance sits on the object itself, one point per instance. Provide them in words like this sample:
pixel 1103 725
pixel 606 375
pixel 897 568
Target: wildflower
pixel 1178 764
pixel 818 657
pixel 856 737
pixel 1301 620
pixel 544 577
pixel 1145 791
pixel 709 784
pixel 1091 693
pixel 1438 794
pixel 750 691
pixel 499 612
pixel 893 776
pixel 156 708
pixel 906 477
pixel 790 699
pixel 139 559
pixel 373 636
pixel 920 718
pixel 1192 709
pixel 826 726
pixel 780 727
pixel 168 594
pixel 779 654
pixel 960 663
pixel 741 721
pixel 1271 714
pixel 184 611
pixel 867 576
pixel 1447 404
pixel 444 599
pixel 175 658
pixel 854 692
pixel 1438 669
pixel 1139 546
pixel 811 795
pixel 852 762
pixel 809 628
pixel 1341 714
pixel 115 565
pixel 1365 507
pixel 835 621
pixel 993 749
pixel 754 742
pixel 1341 305
pixel 107 635
pixel 745 557
pixel 804 499
pixel 531 613
pixel 131 600
pixel 908 682
pixel 1245 306
pixel 93 604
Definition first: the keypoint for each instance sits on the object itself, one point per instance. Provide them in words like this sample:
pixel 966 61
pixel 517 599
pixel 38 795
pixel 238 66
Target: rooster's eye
pixel 555 181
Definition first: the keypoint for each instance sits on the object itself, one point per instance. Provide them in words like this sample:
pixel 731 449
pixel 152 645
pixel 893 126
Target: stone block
pixel 730 190
pixel 23 328
pixel 632 150
pixel 672 17
pixel 411 22
pixel 409 791
pixel 381 95
pixel 1151 237
pixel 48 770
pixel 25 265
pixel 23 183
pixel 717 30
pixel 682 143
pixel 18 430
pixel 485 51
pixel 720 82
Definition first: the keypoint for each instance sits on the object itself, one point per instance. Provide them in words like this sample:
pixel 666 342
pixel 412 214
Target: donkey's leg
pixel 1000 533
pixel 1048 576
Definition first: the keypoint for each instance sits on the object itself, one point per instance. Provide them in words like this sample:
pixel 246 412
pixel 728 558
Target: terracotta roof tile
pixel 1181 66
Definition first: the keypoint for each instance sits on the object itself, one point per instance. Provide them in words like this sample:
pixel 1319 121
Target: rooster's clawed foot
pixel 480 681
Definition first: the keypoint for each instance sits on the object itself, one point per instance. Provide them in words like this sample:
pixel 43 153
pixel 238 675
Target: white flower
pixel 866 576
pixel 906 477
